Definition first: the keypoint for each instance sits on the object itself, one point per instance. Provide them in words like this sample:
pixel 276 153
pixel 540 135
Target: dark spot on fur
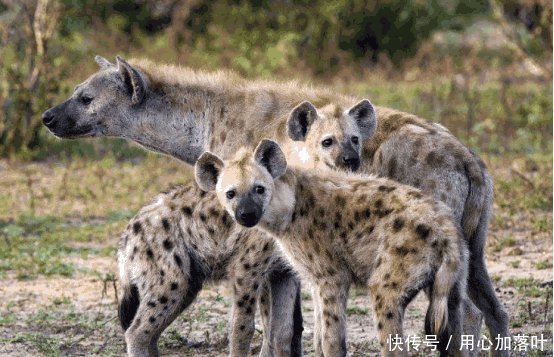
pixel 433 159
pixel 149 253
pixel 178 260
pixel 165 224
pixel 152 319
pixel 402 251
pixel 398 224
pixel 242 327
pixel 167 244
pixel 370 229
pixel 163 300
pixel 386 188
pixel 246 266
pixel 162 272
pixel 187 210
pixel 203 217
pixel 390 315
pixel 248 310
pixel 379 326
pixel 392 167
pixel 423 231
pixel 151 304
pixel 137 227
pixel 174 286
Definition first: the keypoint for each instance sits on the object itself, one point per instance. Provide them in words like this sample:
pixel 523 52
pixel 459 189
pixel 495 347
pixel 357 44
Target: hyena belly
pixel 182 240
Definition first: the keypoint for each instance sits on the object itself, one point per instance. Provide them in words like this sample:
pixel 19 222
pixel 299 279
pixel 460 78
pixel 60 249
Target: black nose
pixel 247 218
pixel 351 161
pixel 47 118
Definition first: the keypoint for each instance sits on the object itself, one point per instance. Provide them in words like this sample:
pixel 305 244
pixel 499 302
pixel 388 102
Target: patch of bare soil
pixel 77 316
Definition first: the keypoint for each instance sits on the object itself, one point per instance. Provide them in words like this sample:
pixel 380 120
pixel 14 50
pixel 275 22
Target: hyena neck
pixel 278 216
pixel 174 130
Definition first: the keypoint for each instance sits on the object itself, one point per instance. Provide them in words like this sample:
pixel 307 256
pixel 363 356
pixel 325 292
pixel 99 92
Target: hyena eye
pixel 230 194
pixel 355 140
pixel 260 190
pixel 85 99
pixel 327 142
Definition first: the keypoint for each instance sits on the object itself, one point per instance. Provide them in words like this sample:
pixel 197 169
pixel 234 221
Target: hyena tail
pixel 479 198
pixel 447 289
pixel 128 305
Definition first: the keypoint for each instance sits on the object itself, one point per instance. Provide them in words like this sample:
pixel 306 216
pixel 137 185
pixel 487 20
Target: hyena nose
pixel 247 218
pixel 351 161
pixel 47 118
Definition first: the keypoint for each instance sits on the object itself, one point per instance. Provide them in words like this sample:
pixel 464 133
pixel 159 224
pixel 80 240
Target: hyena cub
pixel 412 151
pixel 341 229
pixel 184 239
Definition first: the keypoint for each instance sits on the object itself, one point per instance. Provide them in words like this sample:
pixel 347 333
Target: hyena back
pixel 341 229
pixel 172 247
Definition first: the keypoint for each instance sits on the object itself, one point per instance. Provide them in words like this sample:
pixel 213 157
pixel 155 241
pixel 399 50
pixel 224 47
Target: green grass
pixel 529 287
pixel 543 264
pixel 39 245
pixel 357 310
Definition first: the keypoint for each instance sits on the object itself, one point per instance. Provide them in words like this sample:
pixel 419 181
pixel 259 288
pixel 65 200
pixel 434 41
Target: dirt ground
pixel 77 316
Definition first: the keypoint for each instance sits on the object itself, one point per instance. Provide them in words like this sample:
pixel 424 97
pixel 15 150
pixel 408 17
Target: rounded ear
pixel 300 120
pixel 269 155
pixel 132 79
pixel 365 117
pixel 206 171
pixel 102 62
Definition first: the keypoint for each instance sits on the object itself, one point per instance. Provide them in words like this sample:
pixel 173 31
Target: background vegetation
pixel 465 62
pixel 481 68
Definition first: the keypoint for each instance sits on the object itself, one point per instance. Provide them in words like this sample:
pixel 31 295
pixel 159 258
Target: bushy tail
pixel 479 195
pixel 448 283
pixel 128 305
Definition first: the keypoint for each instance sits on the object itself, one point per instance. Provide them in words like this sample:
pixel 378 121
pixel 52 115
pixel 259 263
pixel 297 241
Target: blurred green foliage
pixel 47 46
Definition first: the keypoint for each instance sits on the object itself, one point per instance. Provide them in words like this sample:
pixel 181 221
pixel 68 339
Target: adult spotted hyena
pixel 342 229
pixel 421 154
pixel 182 112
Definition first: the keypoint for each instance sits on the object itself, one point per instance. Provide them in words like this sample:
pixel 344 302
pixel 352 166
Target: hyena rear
pixel 425 155
pixel 182 240
pixel 340 229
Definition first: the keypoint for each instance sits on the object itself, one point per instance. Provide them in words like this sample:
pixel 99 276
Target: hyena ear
pixel 102 62
pixel 365 117
pixel 300 120
pixel 269 155
pixel 132 79
pixel 206 171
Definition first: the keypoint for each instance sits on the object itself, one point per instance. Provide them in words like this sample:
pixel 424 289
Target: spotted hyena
pixel 342 229
pixel 182 240
pixel 183 112
pixel 425 155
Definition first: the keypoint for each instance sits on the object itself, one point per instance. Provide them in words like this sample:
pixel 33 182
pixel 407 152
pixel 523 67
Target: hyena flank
pixel 182 113
pixel 341 229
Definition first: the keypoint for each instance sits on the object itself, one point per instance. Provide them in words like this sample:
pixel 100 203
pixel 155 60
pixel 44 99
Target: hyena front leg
pixel 333 296
pixel 318 324
pixel 250 266
pixel 265 315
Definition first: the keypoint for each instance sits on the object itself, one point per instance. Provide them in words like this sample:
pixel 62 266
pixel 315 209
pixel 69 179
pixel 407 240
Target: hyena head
pixel 244 184
pixel 101 105
pixel 333 135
